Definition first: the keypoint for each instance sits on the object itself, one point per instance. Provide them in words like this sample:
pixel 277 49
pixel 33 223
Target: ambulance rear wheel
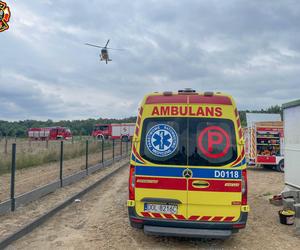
pixel 136 225
pixel 280 166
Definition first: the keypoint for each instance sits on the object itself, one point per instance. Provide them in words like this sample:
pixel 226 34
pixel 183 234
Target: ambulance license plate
pixel 160 208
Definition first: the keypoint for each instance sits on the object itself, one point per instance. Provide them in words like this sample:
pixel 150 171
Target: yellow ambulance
pixel 187 168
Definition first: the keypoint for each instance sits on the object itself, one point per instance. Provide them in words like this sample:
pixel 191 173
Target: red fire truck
pixel 50 133
pixel 122 131
pixel 264 144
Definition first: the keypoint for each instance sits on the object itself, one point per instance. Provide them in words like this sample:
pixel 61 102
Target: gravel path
pixel 100 222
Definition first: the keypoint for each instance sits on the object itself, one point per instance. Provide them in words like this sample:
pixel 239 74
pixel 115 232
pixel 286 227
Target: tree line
pixel 85 127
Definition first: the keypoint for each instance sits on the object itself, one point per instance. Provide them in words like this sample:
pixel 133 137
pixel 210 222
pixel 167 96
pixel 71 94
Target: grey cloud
pixel 249 49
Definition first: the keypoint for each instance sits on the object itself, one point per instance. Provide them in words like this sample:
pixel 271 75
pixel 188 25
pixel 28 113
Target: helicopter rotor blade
pixel 106 43
pixel 93 45
pixel 115 49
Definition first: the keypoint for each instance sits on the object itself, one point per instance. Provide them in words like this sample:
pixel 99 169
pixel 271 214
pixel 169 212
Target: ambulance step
pixel 187 232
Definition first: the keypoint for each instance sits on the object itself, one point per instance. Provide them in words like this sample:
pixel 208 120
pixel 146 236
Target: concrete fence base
pixel 35 194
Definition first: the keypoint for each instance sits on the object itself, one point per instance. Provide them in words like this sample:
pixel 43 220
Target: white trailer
pixel 291 120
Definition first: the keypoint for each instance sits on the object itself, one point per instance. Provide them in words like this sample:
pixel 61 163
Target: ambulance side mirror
pixel 242 142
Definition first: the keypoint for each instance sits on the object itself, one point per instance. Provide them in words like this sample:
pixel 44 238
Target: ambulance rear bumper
pixel 208 229
pixel 188 232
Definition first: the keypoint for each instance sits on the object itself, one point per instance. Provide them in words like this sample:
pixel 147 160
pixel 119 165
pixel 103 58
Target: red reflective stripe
pixel 157 215
pixel 137 131
pixel 210 99
pixel 179 216
pixel 205 218
pixel 194 217
pixel 229 218
pixel 157 99
pixel 243 152
pixel 238 122
pixel 217 185
pixel 139 121
pixel 136 154
pixel 146 214
pixel 160 183
pixel 240 133
pixel 141 111
pixel 236 161
pixel 236 112
pixel 217 218
pixel 169 216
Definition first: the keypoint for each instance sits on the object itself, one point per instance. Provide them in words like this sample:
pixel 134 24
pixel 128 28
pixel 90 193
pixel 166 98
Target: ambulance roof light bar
pixel 186 90
pixel 167 93
pixel 208 93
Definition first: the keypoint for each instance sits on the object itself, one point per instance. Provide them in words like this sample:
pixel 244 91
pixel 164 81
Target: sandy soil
pixel 13 221
pixel 31 178
pixel 100 222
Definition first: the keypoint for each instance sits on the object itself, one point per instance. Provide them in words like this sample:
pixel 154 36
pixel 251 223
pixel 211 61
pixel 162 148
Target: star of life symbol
pixel 161 140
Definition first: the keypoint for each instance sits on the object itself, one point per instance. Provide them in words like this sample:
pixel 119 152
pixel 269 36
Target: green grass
pixel 27 160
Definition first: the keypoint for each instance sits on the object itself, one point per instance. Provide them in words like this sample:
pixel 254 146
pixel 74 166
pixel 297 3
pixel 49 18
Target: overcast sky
pixel 249 49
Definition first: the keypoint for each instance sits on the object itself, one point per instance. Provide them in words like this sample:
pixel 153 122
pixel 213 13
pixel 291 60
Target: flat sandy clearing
pixel 100 222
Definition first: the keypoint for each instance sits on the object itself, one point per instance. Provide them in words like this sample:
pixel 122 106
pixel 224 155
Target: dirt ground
pixel 34 177
pixel 100 222
pixel 11 222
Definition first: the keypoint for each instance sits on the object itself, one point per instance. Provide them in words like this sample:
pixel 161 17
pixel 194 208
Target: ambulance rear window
pixel 164 140
pixel 212 142
pixel 188 141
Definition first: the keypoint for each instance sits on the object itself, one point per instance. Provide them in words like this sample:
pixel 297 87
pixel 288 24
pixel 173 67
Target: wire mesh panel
pixel 5 167
pixel 94 152
pixel 117 148
pixel 38 161
pixel 108 149
pixel 36 166
pixel 73 157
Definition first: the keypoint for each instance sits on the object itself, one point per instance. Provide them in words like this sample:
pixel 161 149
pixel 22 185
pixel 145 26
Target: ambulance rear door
pixel 214 190
pixel 161 189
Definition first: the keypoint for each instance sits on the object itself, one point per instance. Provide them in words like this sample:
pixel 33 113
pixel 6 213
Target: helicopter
pixel 104 51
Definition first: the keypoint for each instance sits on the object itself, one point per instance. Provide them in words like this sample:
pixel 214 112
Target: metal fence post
pixel 12 180
pixel 102 160
pixel 5 146
pixel 61 163
pixel 86 155
pixel 113 148
pixel 121 150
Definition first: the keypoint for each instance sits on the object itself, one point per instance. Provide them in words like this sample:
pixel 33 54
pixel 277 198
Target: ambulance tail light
pixel 131 183
pixel 239 226
pixel 244 187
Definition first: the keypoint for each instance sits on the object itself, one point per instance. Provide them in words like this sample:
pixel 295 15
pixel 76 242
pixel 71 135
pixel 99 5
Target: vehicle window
pixel 101 128
pixel 207 142
pixel 164 140
pixel 211 142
